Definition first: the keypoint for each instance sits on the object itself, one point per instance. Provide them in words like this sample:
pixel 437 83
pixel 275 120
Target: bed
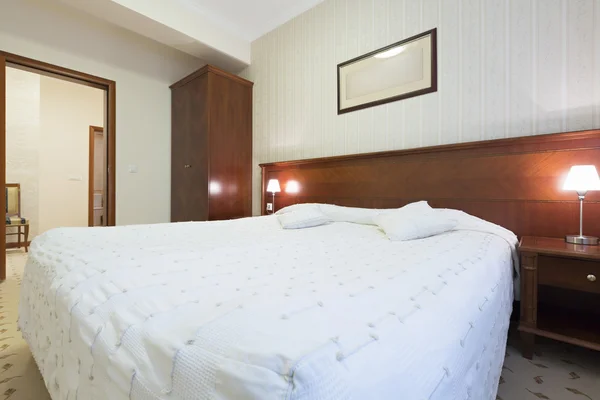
pixel 245 310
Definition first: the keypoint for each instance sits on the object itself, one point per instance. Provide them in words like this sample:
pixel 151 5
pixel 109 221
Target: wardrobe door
pixel 230 147
pixel 189 153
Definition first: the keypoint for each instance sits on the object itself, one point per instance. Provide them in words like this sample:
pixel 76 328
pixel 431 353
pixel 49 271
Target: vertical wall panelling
pixel 564 54
pixel 534 64
pixel 471 44
pixel 340 56
pixel 505 68
pixel 412 118
pixel 380 39
pixel 580 62
pixel 365 44
pixel 596 64
pixel 440 75
pixel 328 79
pixel 507 57
pixel 448 70
pixel 482 64
pixel 494 71
pixel 317 72
pixel 550 66
pixel 396 110
pixel 430 105
pixel 352 50
pixel 520 69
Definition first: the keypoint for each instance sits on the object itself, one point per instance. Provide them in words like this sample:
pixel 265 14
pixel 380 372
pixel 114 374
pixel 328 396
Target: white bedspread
pixel 245 310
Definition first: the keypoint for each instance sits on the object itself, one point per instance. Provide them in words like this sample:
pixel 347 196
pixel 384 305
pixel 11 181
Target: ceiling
pixel 250 19
pixel 219 32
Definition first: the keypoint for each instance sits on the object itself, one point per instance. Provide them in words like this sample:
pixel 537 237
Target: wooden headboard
pixel 515 183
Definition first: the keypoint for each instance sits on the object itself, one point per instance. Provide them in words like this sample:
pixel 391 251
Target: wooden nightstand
pixel 560 292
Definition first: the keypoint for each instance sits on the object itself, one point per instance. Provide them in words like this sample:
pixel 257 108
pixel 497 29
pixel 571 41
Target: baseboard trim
pixel 15 245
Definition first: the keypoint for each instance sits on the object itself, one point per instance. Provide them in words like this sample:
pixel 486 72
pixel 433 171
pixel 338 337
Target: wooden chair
pixel 14 219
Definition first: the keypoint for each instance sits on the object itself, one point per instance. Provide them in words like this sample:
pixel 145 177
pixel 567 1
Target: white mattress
pixel 245 310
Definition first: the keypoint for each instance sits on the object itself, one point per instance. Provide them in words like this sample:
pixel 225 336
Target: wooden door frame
pixel 93 131
pixel 42 68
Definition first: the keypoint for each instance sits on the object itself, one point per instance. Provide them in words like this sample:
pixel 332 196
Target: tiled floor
pixel 557 372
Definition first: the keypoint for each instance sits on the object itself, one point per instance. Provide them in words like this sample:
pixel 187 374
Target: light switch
pixel 133 169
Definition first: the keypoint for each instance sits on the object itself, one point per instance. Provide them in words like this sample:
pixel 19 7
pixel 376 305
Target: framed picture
pixel 401 70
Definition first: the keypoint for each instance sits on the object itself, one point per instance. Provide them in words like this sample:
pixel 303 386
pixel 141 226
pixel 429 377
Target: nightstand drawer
pixel 569 273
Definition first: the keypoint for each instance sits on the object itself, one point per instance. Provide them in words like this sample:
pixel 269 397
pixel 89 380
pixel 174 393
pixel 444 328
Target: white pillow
pixel 404 224
pixel 355 215
pixel 303 218
pixel 412 208
pixel 297 207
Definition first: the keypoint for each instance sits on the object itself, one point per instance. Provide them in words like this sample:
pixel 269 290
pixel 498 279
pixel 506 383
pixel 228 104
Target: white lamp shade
pixel 273 186
pixel 582 178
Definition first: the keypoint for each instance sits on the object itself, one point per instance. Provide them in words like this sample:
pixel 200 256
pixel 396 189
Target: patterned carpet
pixel 20 378
pixel 557 372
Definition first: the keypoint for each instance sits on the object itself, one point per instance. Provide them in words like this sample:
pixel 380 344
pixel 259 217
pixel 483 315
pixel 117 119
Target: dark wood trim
pixel 3 161
pixel 558 247
pixel 210 68
pixel 93 130
pixel 44 68
pixel 263 189
pixel 70 75
pixel 431 89
pixel 111 140
pixel 555 292
pixel 55 76
pixel 528 351
pixel 529 290
pixel 15 245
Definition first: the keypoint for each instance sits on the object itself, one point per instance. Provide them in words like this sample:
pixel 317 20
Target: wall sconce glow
pixel 390 53
pixel 214 188
pixel 292 187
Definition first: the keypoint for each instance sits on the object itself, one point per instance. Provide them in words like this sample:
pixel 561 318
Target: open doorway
pixel 97 177
pixel 98 204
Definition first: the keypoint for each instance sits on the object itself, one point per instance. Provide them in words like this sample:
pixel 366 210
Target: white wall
pixel 66 112
pixel 143 71
pixel 23 142
pixel 506 68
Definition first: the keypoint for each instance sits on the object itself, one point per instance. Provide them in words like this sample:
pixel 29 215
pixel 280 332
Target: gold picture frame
pixel 401 70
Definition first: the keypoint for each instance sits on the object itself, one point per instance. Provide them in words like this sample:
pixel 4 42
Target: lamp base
pixel 585 240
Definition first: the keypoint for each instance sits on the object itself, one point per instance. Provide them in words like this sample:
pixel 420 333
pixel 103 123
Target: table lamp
pixel 273 187
pixel 582 178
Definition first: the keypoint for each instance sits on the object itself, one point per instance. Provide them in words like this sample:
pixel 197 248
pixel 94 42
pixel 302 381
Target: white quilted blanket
pixel 245 310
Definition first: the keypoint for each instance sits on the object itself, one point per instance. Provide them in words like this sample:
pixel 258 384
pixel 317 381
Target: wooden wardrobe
pixel 211 146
